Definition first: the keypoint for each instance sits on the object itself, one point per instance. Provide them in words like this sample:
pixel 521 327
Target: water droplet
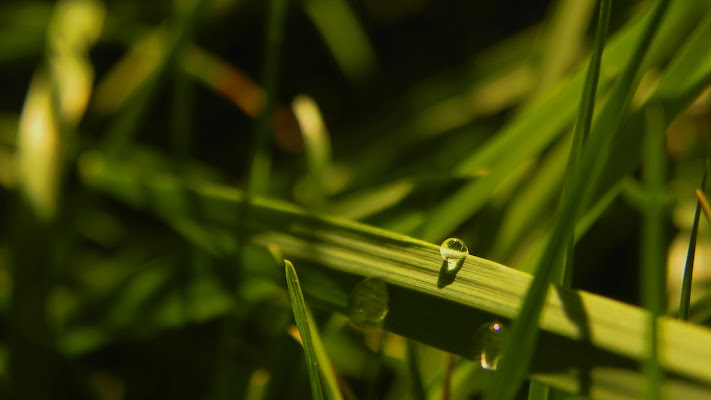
pixel 492 338
pixel 368 303
pixel 454 252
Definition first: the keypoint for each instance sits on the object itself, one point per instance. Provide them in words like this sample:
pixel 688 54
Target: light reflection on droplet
pixel 454 251
pixel 492 335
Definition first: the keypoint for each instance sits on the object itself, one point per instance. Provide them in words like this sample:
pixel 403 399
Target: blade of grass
pixel 548 119
pixel 447 381
pixel 336 254
pixel 521 342
pixel 305 329
pixel 690 255
pixel 652 281
pixel 582 127
pixel 260 160
pixel 704 202
pixel 317 147
pixel 517 355
pixel 688 74
pixel 318 364
pixel 413 366
pixel 344 36
pixel 563 41
pixel 166 46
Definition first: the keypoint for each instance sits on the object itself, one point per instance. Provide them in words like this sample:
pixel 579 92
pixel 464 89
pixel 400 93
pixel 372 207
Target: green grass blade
pixel 168 45
pixel 318 364
pixel 548 119
pixel 260 160
pixel 587 101
pixel 690 256
pixel 521 342
pixel 580 133
pixel 413 366
pixel 538 391
pixel 305 329
pixel 582 127
pixel 580 331
pixel 683 80
pixel 652 281
pixel 317 147
pixel 344 36
pixel 563 40
pixel 704 202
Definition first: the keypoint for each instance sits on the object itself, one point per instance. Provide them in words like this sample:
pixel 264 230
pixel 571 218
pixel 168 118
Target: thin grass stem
pixel 691 255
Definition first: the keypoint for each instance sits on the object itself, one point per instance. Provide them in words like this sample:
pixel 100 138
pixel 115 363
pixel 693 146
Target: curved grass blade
pixel 344 36
pixel 318 364
pixel 704 202
pixel 521 342
pixel 690 255
pixel 600 360
pixel 548 120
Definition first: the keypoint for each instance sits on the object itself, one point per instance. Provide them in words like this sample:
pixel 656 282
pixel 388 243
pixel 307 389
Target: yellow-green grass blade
pixel 589 344
pixel 582 127
pixel 704 203
pixel 520 344
pixel 688 74
pixel 549 119
pixel 564 39
pixel 344 36
pixel 581 130
pixel 691 252
pixel 318 364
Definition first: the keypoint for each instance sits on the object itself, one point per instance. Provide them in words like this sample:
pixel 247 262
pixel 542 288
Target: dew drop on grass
pixel 454 251
pixel 368 303
pixel 492 337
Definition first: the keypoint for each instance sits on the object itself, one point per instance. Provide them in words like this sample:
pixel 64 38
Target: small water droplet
pixel 454 252
pixel 368 303
pixel 492 338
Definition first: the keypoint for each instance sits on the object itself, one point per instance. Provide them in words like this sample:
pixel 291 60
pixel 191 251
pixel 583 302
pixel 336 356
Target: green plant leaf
pixel 589 344
pixel 318 363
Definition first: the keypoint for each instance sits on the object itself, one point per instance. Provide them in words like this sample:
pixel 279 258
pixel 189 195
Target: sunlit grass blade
pixel 548 119
pixel 582 129
pixel 704 203
pixel 687 75
pixel 317 146
pixel 564 39
pixel 691 255
pixel 344 36
pixel 652 281
pixel 521 342
pixel 581 330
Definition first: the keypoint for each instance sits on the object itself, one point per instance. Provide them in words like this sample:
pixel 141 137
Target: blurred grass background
pixel 366 110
